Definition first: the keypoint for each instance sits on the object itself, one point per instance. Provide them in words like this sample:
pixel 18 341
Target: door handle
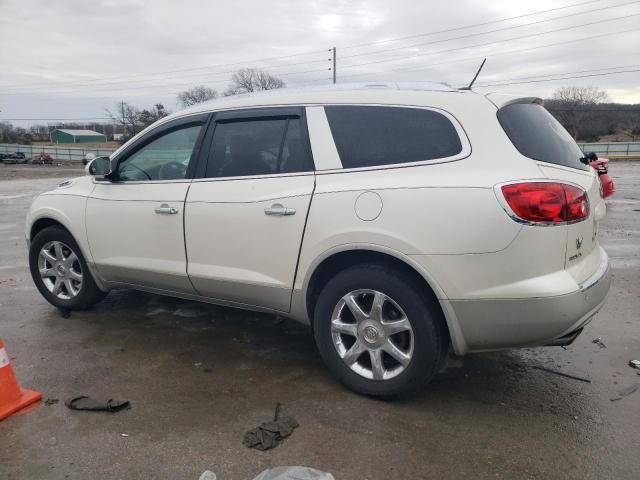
pixel 278 210
pixel 165 209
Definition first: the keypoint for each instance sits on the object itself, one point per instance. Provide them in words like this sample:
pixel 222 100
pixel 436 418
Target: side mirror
pixel 99 166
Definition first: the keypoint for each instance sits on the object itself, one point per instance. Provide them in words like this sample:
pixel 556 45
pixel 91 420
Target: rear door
pixel 539 136
pixel 245 216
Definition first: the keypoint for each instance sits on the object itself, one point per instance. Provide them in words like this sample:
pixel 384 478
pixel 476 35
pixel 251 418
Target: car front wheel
pixel 379 332
pixel 60 271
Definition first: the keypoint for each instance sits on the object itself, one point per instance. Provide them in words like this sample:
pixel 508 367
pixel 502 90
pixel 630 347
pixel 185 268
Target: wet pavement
pixel 199 376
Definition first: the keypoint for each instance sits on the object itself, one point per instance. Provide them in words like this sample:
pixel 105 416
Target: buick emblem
pixel 579 243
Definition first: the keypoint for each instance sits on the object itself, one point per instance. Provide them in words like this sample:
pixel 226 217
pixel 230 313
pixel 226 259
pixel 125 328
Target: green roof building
pixel 62 135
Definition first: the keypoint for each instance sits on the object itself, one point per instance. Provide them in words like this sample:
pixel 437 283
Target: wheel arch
pixel 51 218
pixel 343 257
pixel 44 222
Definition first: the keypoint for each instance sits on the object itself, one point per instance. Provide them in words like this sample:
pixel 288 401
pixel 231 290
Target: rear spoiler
pixel 501 100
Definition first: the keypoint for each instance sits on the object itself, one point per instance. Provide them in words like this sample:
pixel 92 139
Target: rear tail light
pixel 545 202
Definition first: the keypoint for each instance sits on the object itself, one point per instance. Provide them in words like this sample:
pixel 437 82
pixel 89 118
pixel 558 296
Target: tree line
pixel 586 112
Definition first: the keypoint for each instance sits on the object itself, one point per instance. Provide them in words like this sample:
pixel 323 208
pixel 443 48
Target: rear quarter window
pixel 538 135
pixel 367 136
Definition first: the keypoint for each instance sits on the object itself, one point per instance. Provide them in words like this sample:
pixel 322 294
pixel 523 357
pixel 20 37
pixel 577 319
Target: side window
pixel 165 158
pixel 367 136
pixel 258 147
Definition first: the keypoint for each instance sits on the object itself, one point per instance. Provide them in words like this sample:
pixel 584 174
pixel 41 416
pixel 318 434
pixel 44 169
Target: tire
pixel 423 346
pixel 80 294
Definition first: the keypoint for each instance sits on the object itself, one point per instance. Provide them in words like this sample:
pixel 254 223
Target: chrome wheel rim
pixel 372 334
pixel 60 270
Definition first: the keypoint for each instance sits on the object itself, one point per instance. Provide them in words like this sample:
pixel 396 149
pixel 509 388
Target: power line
pixel 473 25
pixel 245 62
pixel 422 54
pixel 476 59
pixel 591 70
pixel 118 84
pixel 163 85
pixel 559 78
pixel 512 27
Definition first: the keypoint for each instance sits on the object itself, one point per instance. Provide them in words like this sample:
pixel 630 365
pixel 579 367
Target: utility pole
pixel 334 64
pixel 124 128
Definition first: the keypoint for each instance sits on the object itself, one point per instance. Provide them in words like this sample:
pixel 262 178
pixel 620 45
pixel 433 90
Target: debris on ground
pixel 124 434
pixel 598 341
pixel 562 374
pixel 207 475
pixel 51 401
pixel 270 434
pixel 84 402
pixel 634 363
pixel 626 391
pixel 294 473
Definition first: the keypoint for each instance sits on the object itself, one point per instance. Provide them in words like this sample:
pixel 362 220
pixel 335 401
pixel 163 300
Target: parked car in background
pixel 601 165
pixel 15 157
pixel 397 221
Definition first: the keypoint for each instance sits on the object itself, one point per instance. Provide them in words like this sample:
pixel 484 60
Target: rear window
pixel 368 136
pixel 538 135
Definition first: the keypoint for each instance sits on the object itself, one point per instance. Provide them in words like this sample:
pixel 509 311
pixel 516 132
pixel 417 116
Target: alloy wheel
pixel 372 334
pixel 60 270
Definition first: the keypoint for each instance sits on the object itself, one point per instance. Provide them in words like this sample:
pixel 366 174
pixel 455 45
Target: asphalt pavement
pixel 199 376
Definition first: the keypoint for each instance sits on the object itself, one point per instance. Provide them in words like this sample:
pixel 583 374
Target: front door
pixel 135 223
pixel 245 217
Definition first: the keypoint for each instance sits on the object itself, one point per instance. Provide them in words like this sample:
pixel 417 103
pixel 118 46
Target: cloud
pixel 75 57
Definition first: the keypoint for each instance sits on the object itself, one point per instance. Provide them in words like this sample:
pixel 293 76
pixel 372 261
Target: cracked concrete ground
pixel 199 376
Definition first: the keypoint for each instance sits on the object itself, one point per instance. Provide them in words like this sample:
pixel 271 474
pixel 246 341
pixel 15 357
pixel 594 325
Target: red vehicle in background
pixel 42 159
pixel 601 165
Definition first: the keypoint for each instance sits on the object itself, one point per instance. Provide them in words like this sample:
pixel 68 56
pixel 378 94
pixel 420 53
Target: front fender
pixel 69 211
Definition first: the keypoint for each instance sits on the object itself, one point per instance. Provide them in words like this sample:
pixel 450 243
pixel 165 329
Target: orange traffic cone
pixel 12 397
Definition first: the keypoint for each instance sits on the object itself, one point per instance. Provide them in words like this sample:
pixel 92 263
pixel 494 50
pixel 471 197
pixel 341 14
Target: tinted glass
pixel 537 135
pixel 258 147
pixel 165 158
pixel 369 136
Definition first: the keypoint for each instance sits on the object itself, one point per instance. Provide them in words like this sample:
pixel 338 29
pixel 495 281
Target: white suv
pixel 395 220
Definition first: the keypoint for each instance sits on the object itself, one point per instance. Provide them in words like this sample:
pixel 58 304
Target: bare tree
pixel 197 94
pixel 588 95
pixel 570 105
pixel 253 80
pixel 128 116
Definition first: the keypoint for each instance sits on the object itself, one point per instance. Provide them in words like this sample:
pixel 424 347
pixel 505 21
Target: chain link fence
pixel 613 150
pixel 58 153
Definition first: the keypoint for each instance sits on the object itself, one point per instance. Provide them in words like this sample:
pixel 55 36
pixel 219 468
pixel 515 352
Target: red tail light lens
pixel 546 202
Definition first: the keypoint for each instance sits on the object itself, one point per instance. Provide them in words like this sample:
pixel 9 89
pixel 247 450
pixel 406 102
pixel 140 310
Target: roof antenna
pixel 474 78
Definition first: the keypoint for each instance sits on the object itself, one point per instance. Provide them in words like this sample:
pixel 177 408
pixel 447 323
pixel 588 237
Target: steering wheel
pixel 131 165
pixel 172 171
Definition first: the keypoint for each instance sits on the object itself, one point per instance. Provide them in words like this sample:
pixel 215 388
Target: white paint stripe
pixel 4 358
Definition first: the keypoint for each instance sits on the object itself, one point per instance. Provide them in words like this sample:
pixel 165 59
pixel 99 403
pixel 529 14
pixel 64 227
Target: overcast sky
pixel 74 58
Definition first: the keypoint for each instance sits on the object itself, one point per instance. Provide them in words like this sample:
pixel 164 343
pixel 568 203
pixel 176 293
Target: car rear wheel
pixel 60 271
pixel 379 332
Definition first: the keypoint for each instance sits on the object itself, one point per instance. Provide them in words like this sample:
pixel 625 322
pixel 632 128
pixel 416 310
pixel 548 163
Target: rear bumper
pixel 494 324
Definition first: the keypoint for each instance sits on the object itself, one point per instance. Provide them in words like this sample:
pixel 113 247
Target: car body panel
pixel 140 247
pixel 237 252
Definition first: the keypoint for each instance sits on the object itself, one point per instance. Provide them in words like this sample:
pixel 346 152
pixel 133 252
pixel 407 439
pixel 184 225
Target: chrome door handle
pixel 279 210
pixel 165 209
